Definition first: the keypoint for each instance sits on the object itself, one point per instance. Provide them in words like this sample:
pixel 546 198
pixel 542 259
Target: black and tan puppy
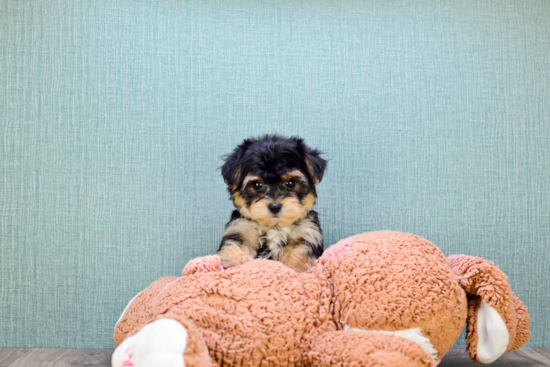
pixel 272 184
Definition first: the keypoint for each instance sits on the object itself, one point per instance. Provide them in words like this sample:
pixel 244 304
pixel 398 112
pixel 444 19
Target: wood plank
pixel 524 357
pixel 539 355
pixel 64 358
pixel 8 355
pixel 19 357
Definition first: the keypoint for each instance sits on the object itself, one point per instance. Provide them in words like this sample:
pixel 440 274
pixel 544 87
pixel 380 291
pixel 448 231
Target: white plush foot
pixel 160 343
pixel 492 334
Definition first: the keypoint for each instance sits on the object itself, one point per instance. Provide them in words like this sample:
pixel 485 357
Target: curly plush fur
pixel 375 299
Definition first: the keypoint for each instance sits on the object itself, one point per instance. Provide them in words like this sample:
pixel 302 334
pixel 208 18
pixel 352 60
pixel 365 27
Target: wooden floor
pixel 29 357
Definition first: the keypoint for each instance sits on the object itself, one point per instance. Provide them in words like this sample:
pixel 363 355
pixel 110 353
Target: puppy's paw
pixel 297 257
pixel 233 255
pixel 160 343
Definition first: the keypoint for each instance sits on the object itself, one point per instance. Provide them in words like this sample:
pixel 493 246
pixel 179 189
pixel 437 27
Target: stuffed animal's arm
pixel 497 321
pixel 203 264
pixel 361 348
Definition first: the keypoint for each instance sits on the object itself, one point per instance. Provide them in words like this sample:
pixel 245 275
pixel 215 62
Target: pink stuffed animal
pixel 375 299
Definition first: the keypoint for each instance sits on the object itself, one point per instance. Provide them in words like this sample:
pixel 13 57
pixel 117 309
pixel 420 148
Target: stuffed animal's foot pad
pixel 160 343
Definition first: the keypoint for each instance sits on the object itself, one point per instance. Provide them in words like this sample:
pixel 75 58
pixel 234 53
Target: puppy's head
pixel 272 179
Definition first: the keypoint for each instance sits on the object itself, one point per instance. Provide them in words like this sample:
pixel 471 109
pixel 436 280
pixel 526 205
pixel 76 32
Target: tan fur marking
pixel 241 204
pixel 296 257
pixel 237 178
pixel 294 174
pixel 308 202
pixel 249 178
pixel 246 229
pixel 291 212
pixel 235 254
pixel 311 171
pixel 261 214
pixel 237 199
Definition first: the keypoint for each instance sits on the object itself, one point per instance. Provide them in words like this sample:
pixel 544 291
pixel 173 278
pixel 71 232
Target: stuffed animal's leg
pixel 203 264
pixel 137 311
pixel 169 341
pixel 160 343
pixel 497 321
pixel 358 348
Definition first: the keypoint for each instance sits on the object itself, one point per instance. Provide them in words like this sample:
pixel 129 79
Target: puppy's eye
pixel 290 183
pixel 257 185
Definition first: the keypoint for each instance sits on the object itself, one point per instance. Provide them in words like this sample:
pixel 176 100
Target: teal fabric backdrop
pixel 435 117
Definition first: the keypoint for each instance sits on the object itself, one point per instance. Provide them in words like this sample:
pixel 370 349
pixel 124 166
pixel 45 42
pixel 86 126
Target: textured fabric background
pixel 435 117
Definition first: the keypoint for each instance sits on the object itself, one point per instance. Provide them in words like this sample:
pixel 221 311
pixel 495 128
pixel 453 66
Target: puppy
pixel 272 184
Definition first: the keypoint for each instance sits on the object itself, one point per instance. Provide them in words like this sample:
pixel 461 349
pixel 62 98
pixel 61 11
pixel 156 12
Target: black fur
pixel 237 238
pixel 270 157
pixel 316 249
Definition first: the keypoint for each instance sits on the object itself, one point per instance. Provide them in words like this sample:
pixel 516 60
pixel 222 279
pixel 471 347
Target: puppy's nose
pixel 275 207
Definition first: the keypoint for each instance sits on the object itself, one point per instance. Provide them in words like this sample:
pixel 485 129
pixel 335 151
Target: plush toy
pixel 375 299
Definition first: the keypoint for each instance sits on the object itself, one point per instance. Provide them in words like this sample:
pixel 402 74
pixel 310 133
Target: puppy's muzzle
pixel 275 207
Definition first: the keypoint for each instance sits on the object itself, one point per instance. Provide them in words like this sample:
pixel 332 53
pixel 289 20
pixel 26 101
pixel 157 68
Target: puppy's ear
pixel 315 164
pixel 231 169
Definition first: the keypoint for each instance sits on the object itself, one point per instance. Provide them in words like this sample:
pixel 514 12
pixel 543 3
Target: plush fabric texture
pixel 256 312
pixel 263 313
pixel 202 265
pixel 138 313
pixel 356 349
pixel 482 280
pixel 394 281
pixel 195 354
pixel 114 114
pixel 523 321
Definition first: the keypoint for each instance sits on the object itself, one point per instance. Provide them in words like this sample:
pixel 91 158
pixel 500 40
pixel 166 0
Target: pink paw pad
pixel 129 353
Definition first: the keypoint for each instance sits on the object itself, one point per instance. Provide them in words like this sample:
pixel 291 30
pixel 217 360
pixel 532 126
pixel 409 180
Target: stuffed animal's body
pixel 375 299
